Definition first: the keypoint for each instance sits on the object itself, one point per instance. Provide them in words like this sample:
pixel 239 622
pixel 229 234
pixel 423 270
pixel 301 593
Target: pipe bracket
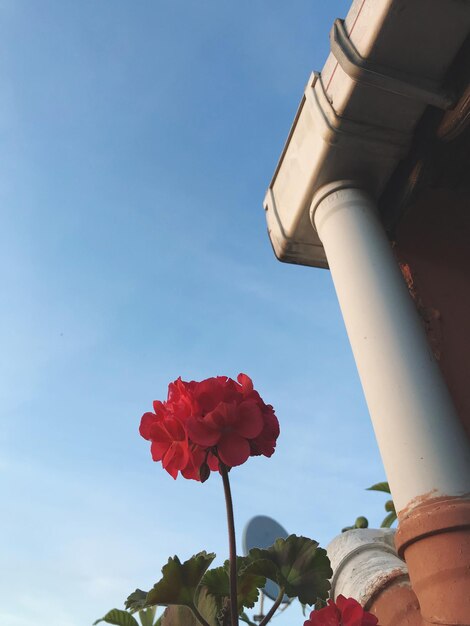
pixel 362 70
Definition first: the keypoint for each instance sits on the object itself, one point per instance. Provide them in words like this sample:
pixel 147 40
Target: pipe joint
pixel 330 190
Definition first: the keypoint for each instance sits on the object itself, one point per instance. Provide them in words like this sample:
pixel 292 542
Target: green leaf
pixel 304 609
pixel 388 521
pixel 176 615
pixel 179 616
pixel 217 583
pixel 248 585
pixel 207 606
pixel 180 581
pixel 380 487
pixel 244 618
pixel 136 601
pixel 296 564
pixel 390 507
pixel 118 617
pixel 147 616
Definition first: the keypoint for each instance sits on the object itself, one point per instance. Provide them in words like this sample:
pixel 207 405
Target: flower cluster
pixel 343 612
pixel 203 422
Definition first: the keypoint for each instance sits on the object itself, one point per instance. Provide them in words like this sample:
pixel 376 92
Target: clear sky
pixel 137 142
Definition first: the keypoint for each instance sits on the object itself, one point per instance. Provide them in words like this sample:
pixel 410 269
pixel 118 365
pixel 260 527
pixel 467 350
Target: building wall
pixel 433 248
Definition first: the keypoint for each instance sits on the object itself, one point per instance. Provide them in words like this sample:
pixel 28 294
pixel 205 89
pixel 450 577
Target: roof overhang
pixel 388 63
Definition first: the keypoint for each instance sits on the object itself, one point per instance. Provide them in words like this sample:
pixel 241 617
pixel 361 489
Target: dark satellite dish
pixel 261 532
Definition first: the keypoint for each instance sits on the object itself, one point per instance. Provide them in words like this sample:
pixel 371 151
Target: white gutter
pixel 357 116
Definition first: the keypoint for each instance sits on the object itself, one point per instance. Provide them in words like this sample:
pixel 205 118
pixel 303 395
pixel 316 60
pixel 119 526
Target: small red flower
pixel 343 612
pixel 202 422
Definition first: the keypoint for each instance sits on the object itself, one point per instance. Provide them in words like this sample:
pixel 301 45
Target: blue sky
pixel 137 141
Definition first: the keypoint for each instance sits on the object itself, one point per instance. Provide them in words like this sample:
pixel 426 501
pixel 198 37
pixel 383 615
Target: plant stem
pixel 274 607
pixel 232 545
pixel 198 616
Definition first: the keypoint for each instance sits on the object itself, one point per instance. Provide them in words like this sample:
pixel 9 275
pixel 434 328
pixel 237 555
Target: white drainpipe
pixel 423 445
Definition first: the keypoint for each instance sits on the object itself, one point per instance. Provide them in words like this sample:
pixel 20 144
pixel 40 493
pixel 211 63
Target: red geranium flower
pixel 202 422
pixel 343 612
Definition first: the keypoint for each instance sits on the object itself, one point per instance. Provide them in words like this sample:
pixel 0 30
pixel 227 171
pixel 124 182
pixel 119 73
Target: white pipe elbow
pixel 364 562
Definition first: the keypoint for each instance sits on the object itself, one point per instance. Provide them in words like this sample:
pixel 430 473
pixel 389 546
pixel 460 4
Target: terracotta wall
pixel 433 248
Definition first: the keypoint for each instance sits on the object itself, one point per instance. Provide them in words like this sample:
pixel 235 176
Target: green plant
pixel 391 516
pixel 202 428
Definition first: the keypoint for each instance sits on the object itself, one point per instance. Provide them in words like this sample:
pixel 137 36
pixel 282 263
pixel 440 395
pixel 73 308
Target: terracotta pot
pixel 434 540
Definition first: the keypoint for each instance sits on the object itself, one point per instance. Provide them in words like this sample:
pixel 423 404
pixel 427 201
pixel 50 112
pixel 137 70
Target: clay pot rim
pixel 432 517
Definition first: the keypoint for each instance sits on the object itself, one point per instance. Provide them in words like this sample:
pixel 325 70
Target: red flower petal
pixel 159 409
pixel 196 459
pixel 249 419
pixel 197 456
pixel 148 419
pixel 176 458
pixel 202 432
pixel 174 429
pixel 266 440
pixel 159 432
pixel 158 450
pixel 223 416
pixel 246 383
pixel 190 473
pixel 341 601
pixel 352 613
pixel 173 472
pixel 328 616
pixel 233 449
pixel 209 393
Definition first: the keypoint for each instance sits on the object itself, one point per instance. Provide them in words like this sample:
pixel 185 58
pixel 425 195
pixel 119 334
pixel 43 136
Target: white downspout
pixel 424 448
